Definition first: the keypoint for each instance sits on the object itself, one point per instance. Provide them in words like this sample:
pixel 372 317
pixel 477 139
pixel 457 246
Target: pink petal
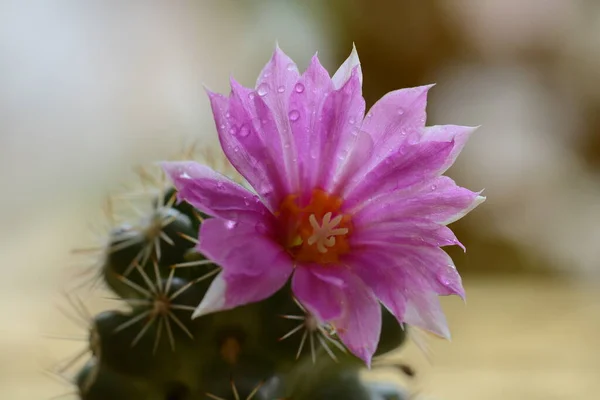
pixel 342 112
pixel 244 145
pixel 306 112
pixel 411 164
pixel 322 297
pixel 278 76
pixel 342 75
pixel 274 86
pixel 374 268
pixel 215 194
pixel 408 231
pixel 424 311
pixel 360 325
pixel 336 295
pixel 397 117
pixel 439 200
pixel 422 268
pixel 254 265
pixel 407 281
pixel 445 133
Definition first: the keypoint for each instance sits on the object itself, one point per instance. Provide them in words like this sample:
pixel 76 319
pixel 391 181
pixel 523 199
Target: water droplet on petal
pixel 369 114
pixel 227 115
pixel 299 88
pixel 222 126
pixel 291 67
pixel 351 120
pixel 433 187
pixel 236 149
pixel 244 131
pixel 294 115
pixel 233 130
pixel 400 111
pixel 262 89
pixel 231 224
pixel 220 185
pixel 251 95
pixel 281 89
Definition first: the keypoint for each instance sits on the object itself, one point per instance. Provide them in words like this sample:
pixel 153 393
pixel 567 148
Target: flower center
pixel 316 231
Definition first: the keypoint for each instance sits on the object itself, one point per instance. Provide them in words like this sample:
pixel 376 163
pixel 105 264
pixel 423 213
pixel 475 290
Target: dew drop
pixel 291 67
pixel 251 95
pixel 227 115
pixel 294 115
pixel 299 88
pixel 232 130
pixel 231 224
pixel 262 89
pixel 351 120
pixel 433 187
pixel 280 89
pixel 236 149
pixel 244 131
pixel 400 111
pixel 220 185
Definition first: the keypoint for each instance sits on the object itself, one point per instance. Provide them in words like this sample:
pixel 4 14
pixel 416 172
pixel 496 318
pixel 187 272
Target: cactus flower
pixel 352 207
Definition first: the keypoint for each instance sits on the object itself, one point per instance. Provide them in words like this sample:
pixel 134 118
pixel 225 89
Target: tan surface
pixel 515 339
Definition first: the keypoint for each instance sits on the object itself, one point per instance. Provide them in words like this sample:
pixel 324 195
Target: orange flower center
pixel 316 232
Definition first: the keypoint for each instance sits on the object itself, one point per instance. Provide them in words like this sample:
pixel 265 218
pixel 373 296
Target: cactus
pixel 269 350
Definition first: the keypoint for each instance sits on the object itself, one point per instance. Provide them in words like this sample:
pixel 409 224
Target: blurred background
pixel 88 89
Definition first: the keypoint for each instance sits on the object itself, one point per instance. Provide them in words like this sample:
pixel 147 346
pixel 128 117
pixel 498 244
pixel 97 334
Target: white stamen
pixel 324 234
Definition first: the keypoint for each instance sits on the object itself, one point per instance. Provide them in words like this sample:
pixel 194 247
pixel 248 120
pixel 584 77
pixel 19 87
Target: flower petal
pixel 215 194
pixel 424 311
pixel 422 268
pixel 374 268
pixel 408 232
pixel 360 325
pixel 254 265
pixel 342 112
pixel 278 76
pixel 407 281
pixel 398 116
pixel 322 297
pixel 444 133
pixel 344 72
pixel 411 164
pixel 274 86
pixel 335 295
pixel 244 145
pixel 439 200
pixel 306 108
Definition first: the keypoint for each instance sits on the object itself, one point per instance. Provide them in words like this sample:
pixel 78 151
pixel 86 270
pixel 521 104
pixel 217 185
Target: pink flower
pixel 352 207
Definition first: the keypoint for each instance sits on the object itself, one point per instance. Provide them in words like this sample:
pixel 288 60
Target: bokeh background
pixel 89 88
